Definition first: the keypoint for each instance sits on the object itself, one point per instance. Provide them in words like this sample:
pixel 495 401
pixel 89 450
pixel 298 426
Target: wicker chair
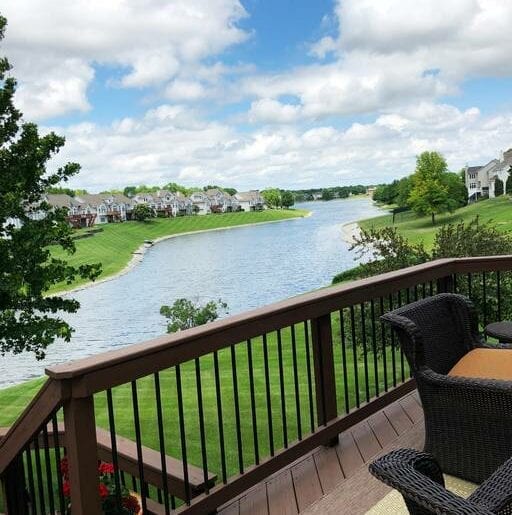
pixel 417 476
pixel 468 421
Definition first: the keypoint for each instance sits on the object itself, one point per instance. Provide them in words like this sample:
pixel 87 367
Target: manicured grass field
pixel 113 247
pixel 417 229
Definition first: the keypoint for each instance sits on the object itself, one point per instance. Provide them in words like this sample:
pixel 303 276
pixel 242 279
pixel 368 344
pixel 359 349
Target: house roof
pixel 473 169
pixel 61 200
pixel 248 196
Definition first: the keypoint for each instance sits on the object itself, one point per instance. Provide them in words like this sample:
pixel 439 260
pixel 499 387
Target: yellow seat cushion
pixel 485 363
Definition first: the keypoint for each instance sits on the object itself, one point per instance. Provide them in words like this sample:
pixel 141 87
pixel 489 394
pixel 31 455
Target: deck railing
pixel 193 419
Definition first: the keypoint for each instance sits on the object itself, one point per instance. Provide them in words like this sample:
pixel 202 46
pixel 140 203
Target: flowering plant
pixel 107 491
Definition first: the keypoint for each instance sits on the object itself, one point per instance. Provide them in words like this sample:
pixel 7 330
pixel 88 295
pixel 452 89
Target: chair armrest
pixel 400 469
pixel 495 493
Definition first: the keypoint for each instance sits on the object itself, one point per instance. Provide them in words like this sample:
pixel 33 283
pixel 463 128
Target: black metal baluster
pixel 393 349
pixel 402 364
pixel 202 431
pixel 498 292
pixel 296 383
pixel 310 382
pixel 424 290
pixel 455 283
pixel 344 361
pixel 48 466
pixel 183 434
pixel 253 404
pixel 161 444
pixel 138 442
pixel 113 444
pixel 354 354
pixel 39 475
pixel 281 388
pixel 431 288
pixel 56 439
pixel 31 485
pixel 383 345
pixel 415 292
pixel 374 348
pixel 484 292
pixel 218 393
pixel 365 352
pixel 237 411
pixel 268 396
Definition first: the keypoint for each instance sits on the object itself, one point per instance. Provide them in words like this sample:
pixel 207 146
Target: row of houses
pixel 86 210
pixel 481 180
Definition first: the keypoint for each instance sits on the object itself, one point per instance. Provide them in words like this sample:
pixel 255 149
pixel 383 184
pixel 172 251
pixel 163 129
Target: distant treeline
pixel 328 193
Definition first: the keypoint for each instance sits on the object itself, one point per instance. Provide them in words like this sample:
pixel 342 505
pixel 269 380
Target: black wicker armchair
pixel 468 421
pixel 417 476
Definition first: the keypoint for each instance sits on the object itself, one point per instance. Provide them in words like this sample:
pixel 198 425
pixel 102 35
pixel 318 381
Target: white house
pixel 250 200
pixel 201 204
pixel 481 180
pixel 221 202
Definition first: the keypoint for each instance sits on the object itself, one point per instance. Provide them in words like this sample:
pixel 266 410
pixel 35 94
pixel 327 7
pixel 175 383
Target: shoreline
pixel 349 232
pixel 139 253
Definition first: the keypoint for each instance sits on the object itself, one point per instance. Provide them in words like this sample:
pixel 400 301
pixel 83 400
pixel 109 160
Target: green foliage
pixel 28 320
pixel 327 194
pixel 65 191
pixel 141 212
pixel 287 199
pixel 230 191
pixel 272 197
pixel 430 192
pixel 386 193
pixel 185 314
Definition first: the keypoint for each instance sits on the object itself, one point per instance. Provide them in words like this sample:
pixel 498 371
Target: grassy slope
pixel 417 229
pixel 114 246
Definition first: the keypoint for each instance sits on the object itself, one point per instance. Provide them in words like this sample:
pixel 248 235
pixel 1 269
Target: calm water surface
pixel 247 267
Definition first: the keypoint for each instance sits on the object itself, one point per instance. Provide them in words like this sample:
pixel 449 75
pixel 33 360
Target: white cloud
pixel 170 143
pixel 54 44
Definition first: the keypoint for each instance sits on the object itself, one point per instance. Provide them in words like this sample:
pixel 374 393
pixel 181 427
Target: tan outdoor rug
pixel 393 503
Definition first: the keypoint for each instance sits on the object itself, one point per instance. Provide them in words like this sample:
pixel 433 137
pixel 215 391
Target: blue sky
pixel 263 93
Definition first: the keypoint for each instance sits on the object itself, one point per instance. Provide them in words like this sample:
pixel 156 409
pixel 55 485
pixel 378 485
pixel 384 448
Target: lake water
pixel 246 267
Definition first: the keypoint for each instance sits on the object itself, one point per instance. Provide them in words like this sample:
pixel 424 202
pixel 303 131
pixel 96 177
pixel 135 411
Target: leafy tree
pixel 141 212
pixel 130 191
pixel 230 191
pixel 272 197
pixel 327 194
pixel 457 190
pixel 185 314
pixel 28 318
pixel 429 193
pixel 65 191
pixel 403 191
pixel 287 199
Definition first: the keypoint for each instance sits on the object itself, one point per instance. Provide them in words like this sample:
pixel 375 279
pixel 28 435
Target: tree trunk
pixel 433 219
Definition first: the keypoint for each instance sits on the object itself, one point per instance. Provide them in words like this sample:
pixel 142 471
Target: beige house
pixel 481 180
pixel 250 200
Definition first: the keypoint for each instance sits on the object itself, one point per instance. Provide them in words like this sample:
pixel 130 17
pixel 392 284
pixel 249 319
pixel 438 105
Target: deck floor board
pixel 333 480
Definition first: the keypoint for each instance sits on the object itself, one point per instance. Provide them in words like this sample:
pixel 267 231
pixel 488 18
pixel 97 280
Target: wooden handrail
pixel 34 417
pixel 97 373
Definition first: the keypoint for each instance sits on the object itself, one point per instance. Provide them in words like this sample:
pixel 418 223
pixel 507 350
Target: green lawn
pixel 113 247
pixel 417 229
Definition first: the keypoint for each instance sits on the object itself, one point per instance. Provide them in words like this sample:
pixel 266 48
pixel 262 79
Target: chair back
pixel 435 332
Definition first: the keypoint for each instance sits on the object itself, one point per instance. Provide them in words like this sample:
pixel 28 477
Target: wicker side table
pixel 502 331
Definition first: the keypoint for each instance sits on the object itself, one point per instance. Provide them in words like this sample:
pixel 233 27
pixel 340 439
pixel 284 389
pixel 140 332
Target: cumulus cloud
pixel 171 143
pixel 54 45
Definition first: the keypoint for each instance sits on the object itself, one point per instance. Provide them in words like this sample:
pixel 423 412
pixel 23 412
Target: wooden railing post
pixel 13 486
pixel 325 380
pixel 82 455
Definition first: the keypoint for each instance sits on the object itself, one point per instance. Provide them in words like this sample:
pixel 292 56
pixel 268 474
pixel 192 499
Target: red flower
pixel 66 489
pixel 104 491
pixel 131 503
pixel 106 468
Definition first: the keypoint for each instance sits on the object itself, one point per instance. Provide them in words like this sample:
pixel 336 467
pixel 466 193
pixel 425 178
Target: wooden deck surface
pixel 335 480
